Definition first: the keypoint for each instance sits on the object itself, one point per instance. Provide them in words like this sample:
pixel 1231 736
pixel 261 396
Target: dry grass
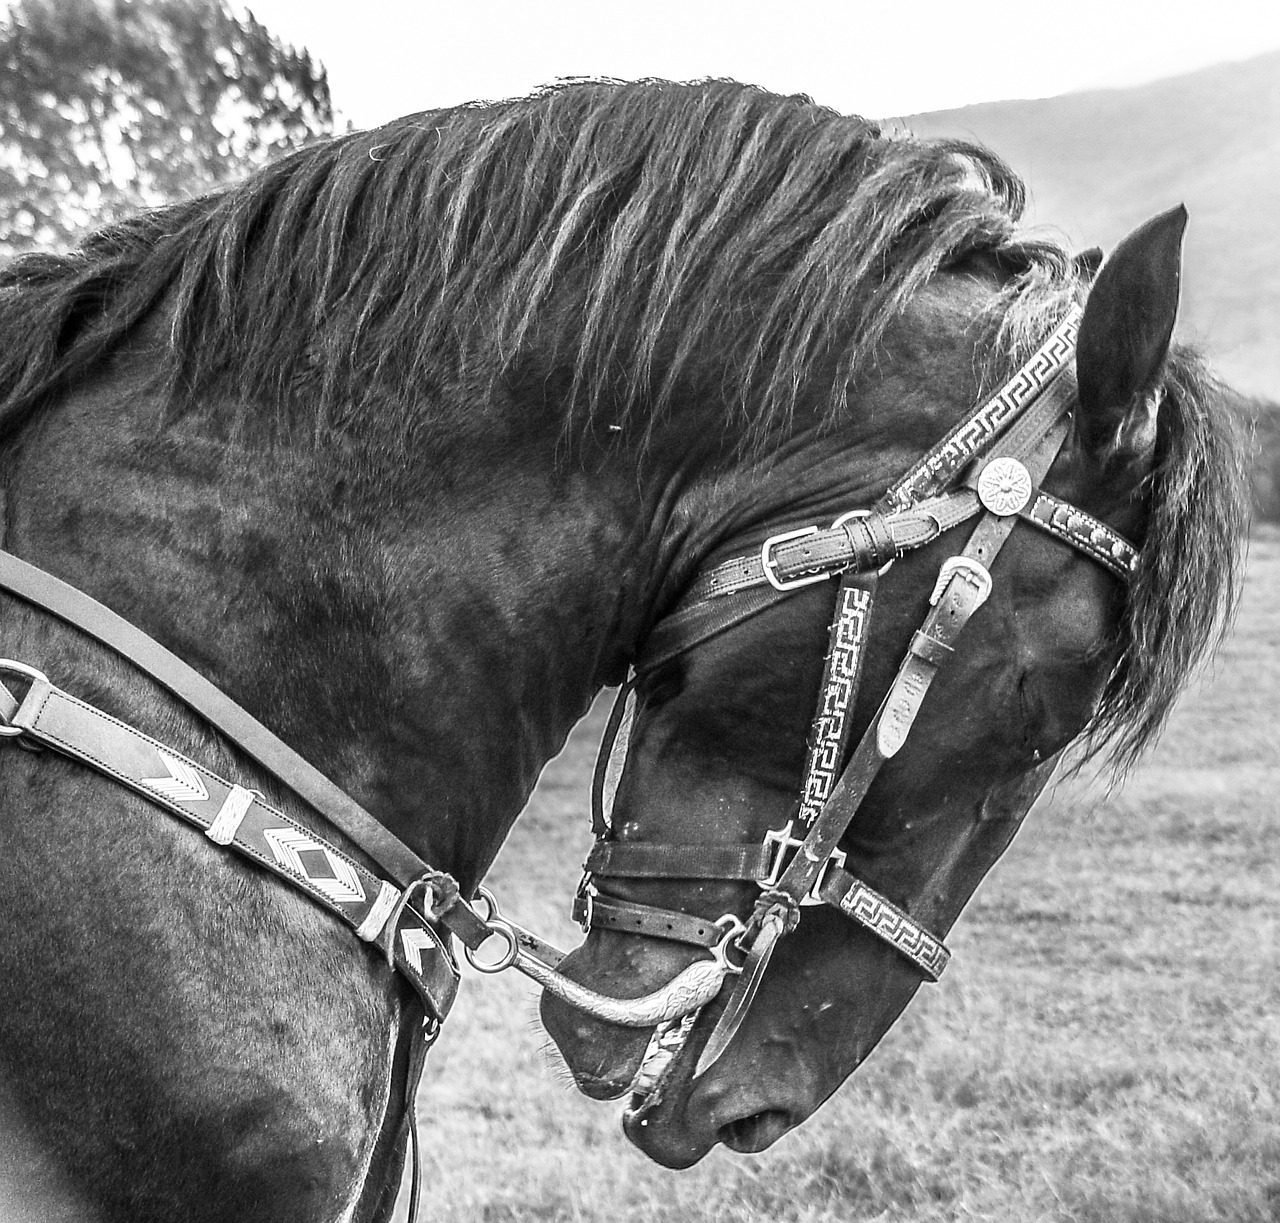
pixel 1104 1048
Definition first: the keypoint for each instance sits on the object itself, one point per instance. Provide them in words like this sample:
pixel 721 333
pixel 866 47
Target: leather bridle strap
pixel 242 820
pixel 962 587
pixel 79 610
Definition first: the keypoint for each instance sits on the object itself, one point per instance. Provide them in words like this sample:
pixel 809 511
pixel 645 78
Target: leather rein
pixel 998 455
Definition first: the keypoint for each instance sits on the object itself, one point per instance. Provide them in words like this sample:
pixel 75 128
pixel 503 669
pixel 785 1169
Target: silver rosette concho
pixel 1004 487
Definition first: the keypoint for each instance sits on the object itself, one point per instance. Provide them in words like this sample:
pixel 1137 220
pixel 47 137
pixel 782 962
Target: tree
pixel 107 106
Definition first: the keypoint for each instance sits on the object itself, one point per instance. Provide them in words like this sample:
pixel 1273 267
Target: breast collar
pixel 989 464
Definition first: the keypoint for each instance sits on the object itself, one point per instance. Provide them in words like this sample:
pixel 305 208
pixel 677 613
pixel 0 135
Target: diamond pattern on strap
pixel 339 882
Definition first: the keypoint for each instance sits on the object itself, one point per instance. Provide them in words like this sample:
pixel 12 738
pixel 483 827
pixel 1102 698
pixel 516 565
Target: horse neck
pixel 423 618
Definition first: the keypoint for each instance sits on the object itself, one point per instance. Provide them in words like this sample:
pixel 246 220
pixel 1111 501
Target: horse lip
pixel 601 1087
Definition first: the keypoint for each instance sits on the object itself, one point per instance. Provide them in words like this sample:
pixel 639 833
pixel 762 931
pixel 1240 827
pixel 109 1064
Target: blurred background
pixel 1107 1046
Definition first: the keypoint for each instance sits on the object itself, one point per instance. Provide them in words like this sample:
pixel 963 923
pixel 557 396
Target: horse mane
pixel 629 243
pixel 1182 598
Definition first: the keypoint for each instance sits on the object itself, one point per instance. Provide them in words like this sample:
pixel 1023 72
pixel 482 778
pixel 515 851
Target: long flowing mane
pixel 628 246
pixel 726 237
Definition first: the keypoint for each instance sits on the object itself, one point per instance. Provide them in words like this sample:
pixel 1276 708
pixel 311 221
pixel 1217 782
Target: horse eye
pixel 1030 712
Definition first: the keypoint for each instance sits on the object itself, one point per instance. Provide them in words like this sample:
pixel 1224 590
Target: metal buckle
pixel 837 859
pixel 782 838
pixel 771 566
pixel 9 666
pixel 587 895
pixel 974 572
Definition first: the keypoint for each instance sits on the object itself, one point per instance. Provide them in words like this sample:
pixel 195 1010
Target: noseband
pixel 995 459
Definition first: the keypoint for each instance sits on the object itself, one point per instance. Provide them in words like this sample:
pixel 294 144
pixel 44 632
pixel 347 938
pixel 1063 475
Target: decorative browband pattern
pixel 977 432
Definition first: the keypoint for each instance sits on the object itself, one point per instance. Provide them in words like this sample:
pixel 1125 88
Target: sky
pixel 386 58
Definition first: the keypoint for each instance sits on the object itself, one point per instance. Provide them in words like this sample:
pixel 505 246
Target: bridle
pixel 406 909
pixel 996 459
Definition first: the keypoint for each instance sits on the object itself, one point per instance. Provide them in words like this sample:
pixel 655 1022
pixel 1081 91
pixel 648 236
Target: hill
pixel 1099 163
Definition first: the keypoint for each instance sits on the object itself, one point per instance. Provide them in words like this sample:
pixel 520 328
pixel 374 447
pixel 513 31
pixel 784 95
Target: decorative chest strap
pixel 242 820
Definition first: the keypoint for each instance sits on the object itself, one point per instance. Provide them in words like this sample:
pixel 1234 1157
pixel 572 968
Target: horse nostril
pixel 748 1135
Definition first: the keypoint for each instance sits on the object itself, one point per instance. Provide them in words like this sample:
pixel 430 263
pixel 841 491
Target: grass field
pixel 1106 1046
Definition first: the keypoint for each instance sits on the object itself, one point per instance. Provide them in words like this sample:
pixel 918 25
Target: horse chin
pixel 603 1058
pixel 676 1119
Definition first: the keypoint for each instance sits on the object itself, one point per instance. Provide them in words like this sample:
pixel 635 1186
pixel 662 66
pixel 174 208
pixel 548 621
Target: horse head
pixel 1063 651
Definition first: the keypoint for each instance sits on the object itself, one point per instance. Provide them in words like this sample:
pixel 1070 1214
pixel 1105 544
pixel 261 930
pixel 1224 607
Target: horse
pixel 408 443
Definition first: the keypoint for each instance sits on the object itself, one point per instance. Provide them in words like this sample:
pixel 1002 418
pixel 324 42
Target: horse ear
pixel 1088 262
pixel 1124 337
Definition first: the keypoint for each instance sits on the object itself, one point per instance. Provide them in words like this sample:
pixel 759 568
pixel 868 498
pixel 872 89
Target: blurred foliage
pixel 107 106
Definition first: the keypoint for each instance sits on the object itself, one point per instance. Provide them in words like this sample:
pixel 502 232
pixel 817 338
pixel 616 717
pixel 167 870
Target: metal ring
pixel 492 912
pixel 734 928
pixel 504 930
pixel 21 668
pixel 8 731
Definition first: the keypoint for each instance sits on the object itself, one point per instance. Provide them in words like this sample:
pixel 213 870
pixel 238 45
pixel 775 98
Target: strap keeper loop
pixel 930 649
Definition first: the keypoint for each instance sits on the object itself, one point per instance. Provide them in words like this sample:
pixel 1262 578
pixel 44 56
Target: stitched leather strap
pixel 600 912
pixel 645 860
pixel 1083 531
pixel 242 820
pixel 862 903
pixel 1036 385
pixel 240 727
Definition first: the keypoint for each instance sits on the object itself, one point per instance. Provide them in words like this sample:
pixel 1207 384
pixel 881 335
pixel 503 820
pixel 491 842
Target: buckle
pixel 836 859
pixel 782 838
pixel 973 572
pixel 771 566
pixel 9 667
pixel 587 897
pixel 784 841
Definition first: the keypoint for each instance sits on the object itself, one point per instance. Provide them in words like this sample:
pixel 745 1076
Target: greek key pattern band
pixel 885 920
pixel 972 435
pixel 830 726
